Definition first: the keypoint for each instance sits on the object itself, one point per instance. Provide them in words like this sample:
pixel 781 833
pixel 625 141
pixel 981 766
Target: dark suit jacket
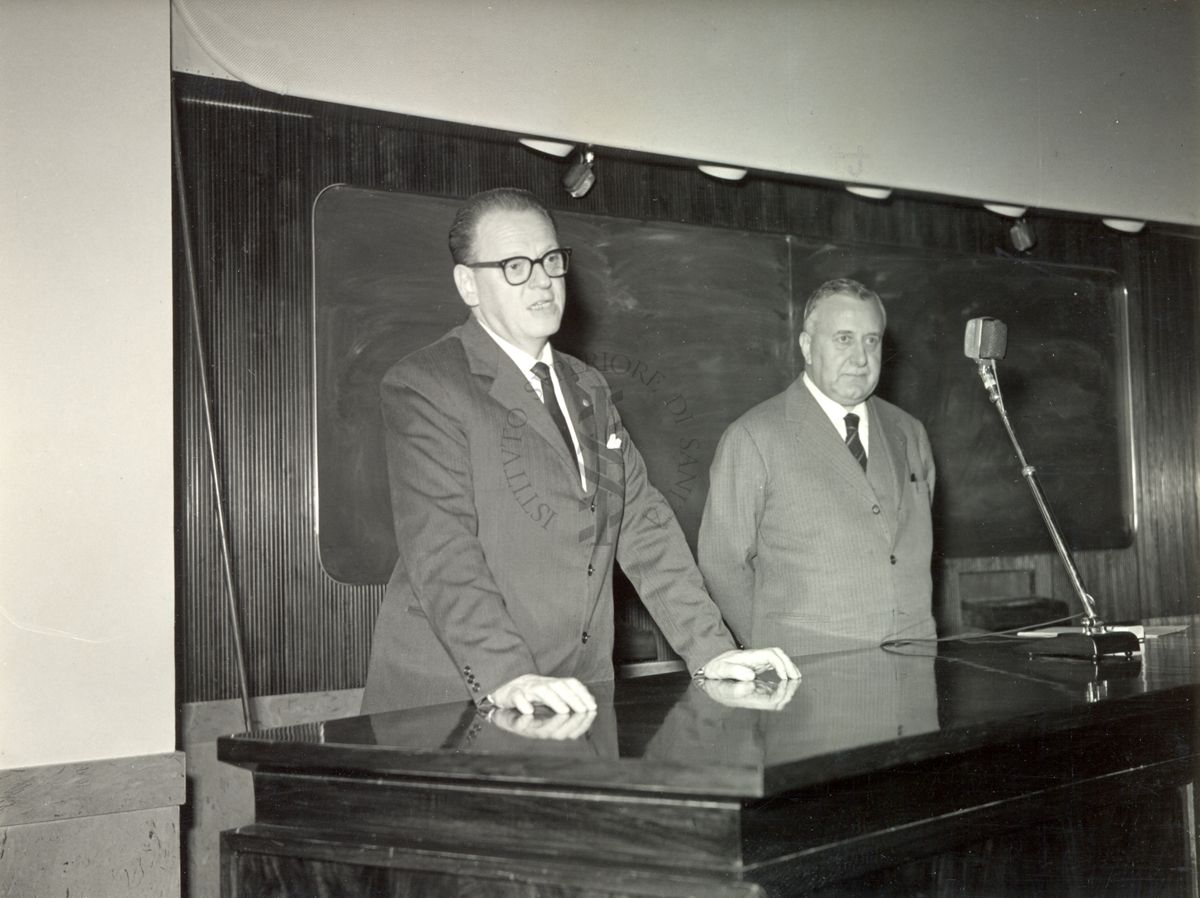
pixel 800 546
pixel 505 564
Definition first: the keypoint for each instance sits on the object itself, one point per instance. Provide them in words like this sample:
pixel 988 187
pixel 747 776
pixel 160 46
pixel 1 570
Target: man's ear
pixel 464 280
pixel 806 346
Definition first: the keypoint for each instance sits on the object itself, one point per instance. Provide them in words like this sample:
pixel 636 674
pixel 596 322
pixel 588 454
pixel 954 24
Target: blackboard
pixel 1065 382
pixel 693 325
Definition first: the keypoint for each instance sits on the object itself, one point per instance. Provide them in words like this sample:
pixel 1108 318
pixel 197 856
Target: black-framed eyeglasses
pixel 518 269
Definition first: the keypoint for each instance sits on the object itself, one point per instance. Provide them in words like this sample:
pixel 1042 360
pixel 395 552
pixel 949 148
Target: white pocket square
pixel 614 442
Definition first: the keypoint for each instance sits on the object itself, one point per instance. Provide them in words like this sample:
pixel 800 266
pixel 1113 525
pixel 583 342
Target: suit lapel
pixel 884 467
pixel 512 389
pixel 583 417
pixel 822 440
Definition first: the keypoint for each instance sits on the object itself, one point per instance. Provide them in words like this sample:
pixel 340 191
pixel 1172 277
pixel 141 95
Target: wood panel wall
pixel 253 162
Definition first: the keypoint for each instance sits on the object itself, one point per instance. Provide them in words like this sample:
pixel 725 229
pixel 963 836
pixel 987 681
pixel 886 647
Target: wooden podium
pixel 926 770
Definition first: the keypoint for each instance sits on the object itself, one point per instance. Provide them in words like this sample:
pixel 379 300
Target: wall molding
pixel 89 788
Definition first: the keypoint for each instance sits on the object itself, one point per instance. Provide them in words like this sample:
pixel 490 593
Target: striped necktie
pixel 853 443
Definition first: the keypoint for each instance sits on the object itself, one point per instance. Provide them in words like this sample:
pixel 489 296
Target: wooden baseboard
pixel 90 788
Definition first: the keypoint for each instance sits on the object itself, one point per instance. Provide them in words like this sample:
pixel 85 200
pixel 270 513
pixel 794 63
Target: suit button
pixel 585 637
pixel 893 559
pixel 874 509
pixel 591 570
pixel 593 505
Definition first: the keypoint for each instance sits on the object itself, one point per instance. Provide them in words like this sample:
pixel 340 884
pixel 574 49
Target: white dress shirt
pixel 837 414
pixel 525 362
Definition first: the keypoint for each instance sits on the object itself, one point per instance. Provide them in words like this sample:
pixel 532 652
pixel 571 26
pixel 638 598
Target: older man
pixel 514 486
pixel 817 526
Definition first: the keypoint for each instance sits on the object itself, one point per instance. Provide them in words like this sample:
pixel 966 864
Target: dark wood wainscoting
pixel 254 162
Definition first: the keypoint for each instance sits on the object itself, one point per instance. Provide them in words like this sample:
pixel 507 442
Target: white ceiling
pixel 1091 108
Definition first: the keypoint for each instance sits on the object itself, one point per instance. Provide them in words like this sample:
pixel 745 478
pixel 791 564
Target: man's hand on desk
pixel 758 695
pixel 562 695
pixel 746 664
pixel 535 726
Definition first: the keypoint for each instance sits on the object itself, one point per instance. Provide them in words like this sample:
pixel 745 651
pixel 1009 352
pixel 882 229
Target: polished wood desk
pixel 883 774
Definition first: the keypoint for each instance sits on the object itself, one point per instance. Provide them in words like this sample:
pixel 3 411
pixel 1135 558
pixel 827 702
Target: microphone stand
pixel 1095 639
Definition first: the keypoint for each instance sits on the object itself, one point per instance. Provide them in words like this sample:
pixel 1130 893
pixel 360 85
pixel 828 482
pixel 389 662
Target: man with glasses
pixel 514 487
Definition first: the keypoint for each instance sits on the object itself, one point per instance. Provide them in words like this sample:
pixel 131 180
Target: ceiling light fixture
pixel 1006 211
pixel 554 148
pixel 580 176
pixel 871 193
pixel 1124 225
pixel 1022 236
pixel 723 172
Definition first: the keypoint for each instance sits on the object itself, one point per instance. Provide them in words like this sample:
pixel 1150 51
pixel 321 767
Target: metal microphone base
pixel 1088 646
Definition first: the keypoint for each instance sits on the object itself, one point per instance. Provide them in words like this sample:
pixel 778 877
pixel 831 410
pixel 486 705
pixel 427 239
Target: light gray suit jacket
pixel 801 548
pixel 505 564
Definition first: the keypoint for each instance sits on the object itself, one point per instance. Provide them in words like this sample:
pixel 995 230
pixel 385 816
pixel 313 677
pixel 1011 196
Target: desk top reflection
pixel 853 713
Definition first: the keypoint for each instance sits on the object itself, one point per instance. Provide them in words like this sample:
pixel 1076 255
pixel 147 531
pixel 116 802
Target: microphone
pixel 986 338
pixel 985 341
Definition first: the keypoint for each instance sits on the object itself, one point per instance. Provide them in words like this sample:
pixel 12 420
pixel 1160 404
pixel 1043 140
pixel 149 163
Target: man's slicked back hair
pixel 841 287
pixel 500 199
